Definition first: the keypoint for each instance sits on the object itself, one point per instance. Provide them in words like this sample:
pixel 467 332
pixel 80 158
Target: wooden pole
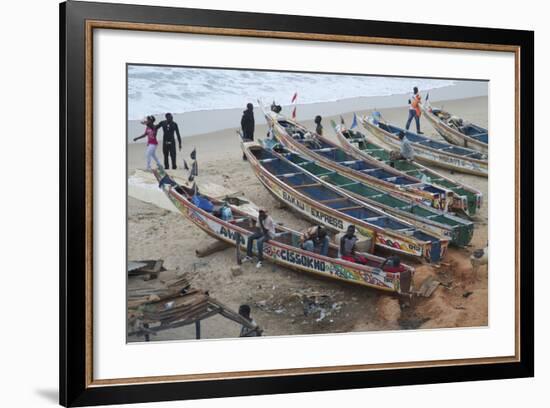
pixel 198 329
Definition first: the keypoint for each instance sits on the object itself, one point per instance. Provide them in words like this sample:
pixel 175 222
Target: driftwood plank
pixel 214 247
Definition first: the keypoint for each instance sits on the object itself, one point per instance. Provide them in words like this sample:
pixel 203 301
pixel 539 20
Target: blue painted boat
pixel 329 206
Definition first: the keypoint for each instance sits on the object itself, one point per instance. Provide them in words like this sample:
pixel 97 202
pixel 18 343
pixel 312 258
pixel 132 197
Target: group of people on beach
pixel 169 129
pixel 314 239
pixel 406 152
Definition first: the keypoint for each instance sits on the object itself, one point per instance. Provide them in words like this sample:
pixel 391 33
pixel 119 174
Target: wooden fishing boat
pixel 285 248
pixel 333 208
pixel 456 130
pixel 297 138
pixel 466 199
pixel 427 150
pixel 458 230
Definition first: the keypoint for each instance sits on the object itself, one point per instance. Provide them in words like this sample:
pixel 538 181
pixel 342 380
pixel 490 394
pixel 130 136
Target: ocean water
pixel 156 89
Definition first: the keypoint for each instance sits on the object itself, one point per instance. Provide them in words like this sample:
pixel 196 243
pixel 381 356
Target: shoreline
pixel 196 123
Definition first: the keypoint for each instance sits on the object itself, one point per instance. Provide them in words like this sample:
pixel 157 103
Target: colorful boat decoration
pixel 458 230
pixel 285 248
pixel 330 206
pixel 456 130
pixel 466 199
pixel 297 138
pixel 427 150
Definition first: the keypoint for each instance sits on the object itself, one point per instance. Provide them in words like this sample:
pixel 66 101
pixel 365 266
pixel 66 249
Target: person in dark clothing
pixel 347 247
pixel 247 125
pixel 244 311
pixel 169 127
pixel 319 127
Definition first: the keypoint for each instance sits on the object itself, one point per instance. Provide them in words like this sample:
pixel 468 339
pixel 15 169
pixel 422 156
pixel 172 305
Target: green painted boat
pixel 331 207
pixel 458 230
pixel 466 199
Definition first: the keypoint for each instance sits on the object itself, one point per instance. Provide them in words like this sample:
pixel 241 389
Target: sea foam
pixel 160 89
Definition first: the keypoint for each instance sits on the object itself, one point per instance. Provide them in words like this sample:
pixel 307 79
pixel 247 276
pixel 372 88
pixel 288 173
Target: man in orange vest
pixel 414 110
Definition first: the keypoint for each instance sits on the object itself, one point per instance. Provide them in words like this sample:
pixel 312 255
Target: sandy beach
pixel 275 293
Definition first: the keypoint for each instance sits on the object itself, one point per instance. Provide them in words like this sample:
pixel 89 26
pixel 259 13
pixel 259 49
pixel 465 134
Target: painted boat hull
pixel 458 230
pixel 467 204
pixel 452 135
pixel 430 156
pixel 338 221
pixel 437 198
pixel 289 256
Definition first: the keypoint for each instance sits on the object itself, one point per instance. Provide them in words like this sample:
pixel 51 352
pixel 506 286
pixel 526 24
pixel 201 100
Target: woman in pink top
pixel 151 133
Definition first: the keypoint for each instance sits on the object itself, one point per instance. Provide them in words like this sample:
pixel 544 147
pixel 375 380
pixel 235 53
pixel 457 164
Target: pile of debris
pixel 167 304
pixel 148 269
pixel 138 296
pixel 184 305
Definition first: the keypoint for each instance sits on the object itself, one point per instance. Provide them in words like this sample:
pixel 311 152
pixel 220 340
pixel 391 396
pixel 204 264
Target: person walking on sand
pixel 414 110
pixel 265 232
pixel 151 133
pixel 318 127
pixel 169 127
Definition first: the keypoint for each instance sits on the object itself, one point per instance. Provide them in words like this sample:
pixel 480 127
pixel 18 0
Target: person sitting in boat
pixel 316 240
pixel 276 108
pixel 244 311
pixel 407 151
pixel 265 232
pixel 393 264
pixel 347 247
pixel 319 127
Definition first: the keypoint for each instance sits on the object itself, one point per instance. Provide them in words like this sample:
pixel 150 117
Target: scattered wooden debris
pixel 428 287
pixel 164 305
pixel 147 269
pixel 211 248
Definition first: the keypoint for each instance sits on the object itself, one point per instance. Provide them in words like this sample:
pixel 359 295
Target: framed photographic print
pixel 256 203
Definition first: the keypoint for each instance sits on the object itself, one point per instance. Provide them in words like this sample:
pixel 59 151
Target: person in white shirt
pixel 407 151
pixel 266 231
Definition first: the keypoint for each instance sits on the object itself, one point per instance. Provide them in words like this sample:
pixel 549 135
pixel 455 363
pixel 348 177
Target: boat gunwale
pixel 484 163
pixel 347 145
pixel 424 245
pixel 437 122
pixel 466 187
pixel 338 261
pixel 410 190
pixel 452 229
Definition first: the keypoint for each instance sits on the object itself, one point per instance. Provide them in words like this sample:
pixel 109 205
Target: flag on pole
pixel 195 169
pixel 294 97
pixel 342 122
pixel 294 113
pixel 354 122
